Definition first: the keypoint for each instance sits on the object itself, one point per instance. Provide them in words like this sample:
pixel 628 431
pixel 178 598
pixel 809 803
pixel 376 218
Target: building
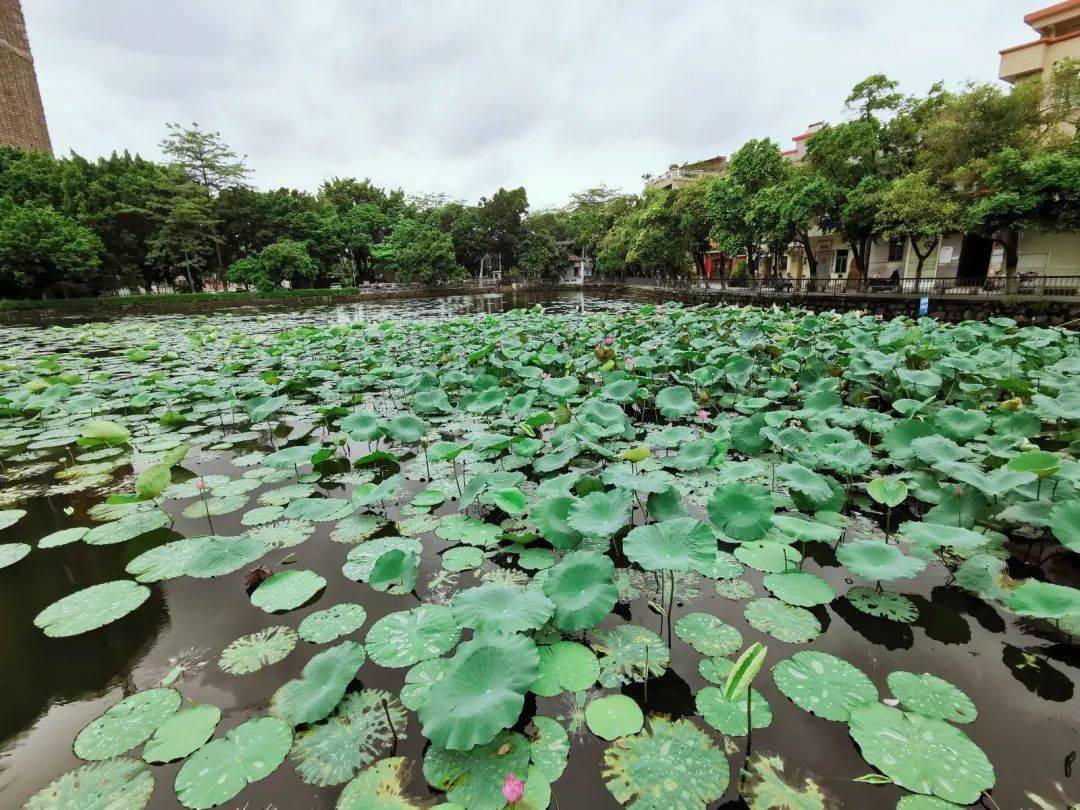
pixel 798 153
pixel 1058 27
pixel 22 116
pixel 679 176
pixel 578 266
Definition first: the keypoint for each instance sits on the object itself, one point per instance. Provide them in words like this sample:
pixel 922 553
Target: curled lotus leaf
pixel 321 685
pixel 126 724
pixel 708 634
pixel 260 649
pixel 121 782
pixel 681 544
pixel 582 589
pixel 402 639
pixel 361 559
pixel 878 560
pixel 674 764
pixel 502 608
pixel 823 684
pixel 932 696
pixel 328 625
pixel 921 754
pixel 482 692
pixel 1065 523
pixel 741 511
pixel 1044 600
pixel 91 608
pixel 223 767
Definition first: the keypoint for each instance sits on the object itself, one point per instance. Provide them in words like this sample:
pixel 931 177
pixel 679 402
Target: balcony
pixel 1022 61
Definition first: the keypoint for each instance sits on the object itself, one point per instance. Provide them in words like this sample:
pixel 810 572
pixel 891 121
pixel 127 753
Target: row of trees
pixel 73 226
pixel 979 160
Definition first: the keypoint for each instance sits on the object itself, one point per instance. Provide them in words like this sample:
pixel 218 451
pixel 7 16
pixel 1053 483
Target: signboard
pixel 924 305
pixel 945 255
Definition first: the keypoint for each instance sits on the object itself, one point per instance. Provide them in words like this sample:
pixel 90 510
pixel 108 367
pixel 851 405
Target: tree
pixel 41 249
pixel 361 228
pixel 914 209
pixel 416 251
pixel 655 244
pixel 593 213
pixel 538 256
pixel 207 161
pixel 187 234
pixel 287 260
pixel 874 95
pixel 503 217
pixel 692 208
pixel 466 228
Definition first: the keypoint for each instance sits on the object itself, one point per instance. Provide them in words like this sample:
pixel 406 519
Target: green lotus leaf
pixel 358 733
pixel 286 590
pixel 741 511
pixel 261 649
pixel 357 528
pixel 103 431
pixel 708 635
pixel 462 558
pixel 774 558
pixel 320 687
pixel 395 571
pixel 613 716
pixel 367 494
pixel 126 724
pixel 921 754
pixel 780 620
pixel 961 424
pixel 502 608
pixel 1044 600
pixel 675 402
pixel 915 801
pixel 482 692
pixel 878 560
pixel 380 786
pixel 823 684
pixel 223 767
pixel 805 481
pixel 406 428
pixel 215 506
pixel 734 589
pixel 461 529
pixel 887 491
pixel 935 536
pixel 883 604
pixel 932 697
pixel 565 666
pixel 182 733
pixel 800 588
pixel 215 555
pixel 729 716
pixel 11 553
pixel 626 651
pixel 766 787
pixel 63 537
pixel 474 778
pixel 420 678
pixel 122 783
pixel 291 457
pixel 363 427
pixel 682 544
pixel 582 589
pixel 673 765
pixel 550 516
pixel 91 608
pixel 1065 523
pixel 549 748
pixel 318 510
pixel 331 624
pixel 666 505
pixel 127 528
pixel 986 576
pixel 1039 462
pixel 600 514
pixel 360 562
pixel 402 639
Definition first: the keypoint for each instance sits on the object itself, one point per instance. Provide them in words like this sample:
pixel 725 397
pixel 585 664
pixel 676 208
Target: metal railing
pixel 998 286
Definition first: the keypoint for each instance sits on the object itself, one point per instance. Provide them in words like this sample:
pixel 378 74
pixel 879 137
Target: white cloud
pixel 463 97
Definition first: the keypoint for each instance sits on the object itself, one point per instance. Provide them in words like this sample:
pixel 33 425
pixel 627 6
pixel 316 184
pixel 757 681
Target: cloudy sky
pixel 464 96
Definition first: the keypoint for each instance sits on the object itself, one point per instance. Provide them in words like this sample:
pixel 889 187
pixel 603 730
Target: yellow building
pixel 1058 27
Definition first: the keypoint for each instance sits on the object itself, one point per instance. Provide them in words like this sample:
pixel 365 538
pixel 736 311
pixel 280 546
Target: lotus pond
pixel 592 554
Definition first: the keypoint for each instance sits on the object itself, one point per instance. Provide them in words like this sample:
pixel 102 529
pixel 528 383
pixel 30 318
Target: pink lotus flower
pixel 545 376
pixel 200 484
pixel 794 386
pixel 513 788
pixel 628 362
pixel 703 414
pixel 958 491
pixel 608 340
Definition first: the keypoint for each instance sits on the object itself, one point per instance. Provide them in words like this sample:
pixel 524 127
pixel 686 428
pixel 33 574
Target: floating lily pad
pixel 565 666
pixel 286 590
pixel 625 652
pixel 708 635
pixel 921 754
pixel 9 517
pixel 482 692
pixel 358 733
pixel 502 608
pixel 549 747
pixel 223 767
pixel 878 560
pixel 63 537
pixel 800 588
pixel 127 528
pixel 420 678
pixel 11 553
pixel 126 724
pixel 401 639
pixel 672 765
pixel 122 783
pixel 91 608
pixel 823 684
pixel 182 733
pixel 729 716
pixel 613 716
pixel 767 789
pixel 773 558
pixel 883 604
pixel 582 588
pixel 734 589
pixel 331 624
pixel 380 786
pixel 261 649
pixel 462 558
pixel 321 685
pixel 780 620
pixel 932 697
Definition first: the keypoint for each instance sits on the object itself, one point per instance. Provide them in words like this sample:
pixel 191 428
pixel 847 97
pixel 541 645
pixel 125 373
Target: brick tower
pixel 22 117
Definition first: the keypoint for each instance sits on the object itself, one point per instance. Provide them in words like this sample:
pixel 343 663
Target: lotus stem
pixel 389 722
pixel 646 695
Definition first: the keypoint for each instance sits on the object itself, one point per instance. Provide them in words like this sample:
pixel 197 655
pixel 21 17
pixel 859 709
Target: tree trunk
pixel 811 259
pixel 1010 240
pixel 921 257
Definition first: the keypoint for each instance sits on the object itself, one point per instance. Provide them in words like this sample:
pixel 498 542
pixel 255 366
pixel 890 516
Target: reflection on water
pixel 1021 675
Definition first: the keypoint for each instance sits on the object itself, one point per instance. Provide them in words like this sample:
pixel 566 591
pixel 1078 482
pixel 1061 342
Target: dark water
pixel 1020 674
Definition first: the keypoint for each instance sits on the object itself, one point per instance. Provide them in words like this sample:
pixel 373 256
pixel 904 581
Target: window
pixel 896 250
pixel 840 263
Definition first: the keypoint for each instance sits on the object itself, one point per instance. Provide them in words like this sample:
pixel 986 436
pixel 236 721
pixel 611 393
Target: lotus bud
pixel 703 414
pixel 200 485
pixel 629 362
pixel 513 788
pixel 958 491
pixel 608 340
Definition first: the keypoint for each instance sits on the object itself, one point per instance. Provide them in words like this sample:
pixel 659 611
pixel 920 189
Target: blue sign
pixel 924 305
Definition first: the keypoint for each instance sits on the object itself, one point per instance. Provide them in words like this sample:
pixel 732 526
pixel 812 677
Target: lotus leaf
pixel 741 511
pixel 1043 600
pixel 113 784
pixel 91 608
pixel 682 544
pixel 420 678
pixel 549 747
pixel 767 789
pixel 321 684
pixel 182 733
pixel 823 684
pixel 565 666
pixel 11 553
pixel 474 778
pixel 126 724
pixel 502 608
pixel 729 716
pixel 932 697
pixel 1065 523
pixel 582 589
pixel 331 624
pixel 780 620
pixel 774 558
pixel 626 650
pixel 380 786
pixel 800 588
pixel 883 604
pixel 600 514
pixel 402 639
pixel 613 716
pixel 127 528
pixel 286 590
pixel 878 560
pixel 251 653
pixel 708 635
